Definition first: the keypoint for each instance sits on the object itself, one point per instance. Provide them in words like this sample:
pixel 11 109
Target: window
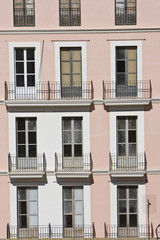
pixel 125 12
pixel 126 136
pixel 72 137
pixel 126 71
pixel 73 211
pixel 24 13
pixel 127 211
pixel 71 76
pixel 26 142
pixel 27 207
pixel 70 12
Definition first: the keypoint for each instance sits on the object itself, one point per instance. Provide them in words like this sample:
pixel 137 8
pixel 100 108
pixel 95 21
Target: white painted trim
pixel 113 45
pixel 153 171
pixel 81 44
pixel 36 45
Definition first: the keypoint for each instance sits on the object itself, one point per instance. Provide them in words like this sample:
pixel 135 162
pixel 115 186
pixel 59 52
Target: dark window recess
pixel 70 12
pixel 125 12
pixel 24 13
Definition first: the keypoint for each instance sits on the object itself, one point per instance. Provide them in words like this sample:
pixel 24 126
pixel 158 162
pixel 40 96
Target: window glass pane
pixel 33 194
pixel 132 54
pixel 78 220
pixel 133 206
pixel 19 67
pixel 133 193
pixel 67 124
pixel 132 79
pixel 76 55
pixel 78 137
pixel 33 221
pixel 132 136
pixel 22 208
pixel 121 149
pixel 131 123
pixel 33 208
pixel 65 55
pixel 22 221
pixel 20 80
pixel 76 81
pixel 132 149
pixel 21 194
pixel 78 150
pixel 121 136
pixel 19 54
pixel 21 151
pixel 67 151
pixel 32 125
pixel 67 193
pixel 66 80
pixel 68 207
pixel 32 137
pixel 133 220
pixel 77 124
pixel 120 66
pixel 122 206
pixel 76 67
pixel 122 220
pixel 68 221
pixel 132 66
pixel 122 193
pixel 120 80
pixel 21 137
pixel 30 54
pixel 65 67
pixel 67 137
pixel 30 67
pixel 121 124
pixel 120 53
pixel 78 194
pixel 32 150
pixel 31 81
pixel 78 207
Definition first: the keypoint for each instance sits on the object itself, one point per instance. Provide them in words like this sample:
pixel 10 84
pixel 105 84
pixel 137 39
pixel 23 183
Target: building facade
pixel 79 110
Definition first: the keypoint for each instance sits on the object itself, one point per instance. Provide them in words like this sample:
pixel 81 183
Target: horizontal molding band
pixel 78 31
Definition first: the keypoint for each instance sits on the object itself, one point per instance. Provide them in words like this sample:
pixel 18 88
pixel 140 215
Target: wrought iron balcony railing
pixel 125 16
pixel 50 232
pixel 24 17
pixel 139 90
pixel 70 16
pixel 49 91
pixel 73 164
pixel 127 163
pixel 27 164
pixel 141 231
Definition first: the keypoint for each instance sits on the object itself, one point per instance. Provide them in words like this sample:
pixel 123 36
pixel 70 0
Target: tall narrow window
pixel 71 76
pixel 125 12
pixel 72 137
pixel 73 211
pixel 27 207
pixel 126 72
pixel 24 13
pixel 127 142
pixel 70 12
pixel 127 211
pixel 26 143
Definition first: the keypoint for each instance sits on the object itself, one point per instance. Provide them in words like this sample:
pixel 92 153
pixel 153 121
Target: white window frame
pixel 13 46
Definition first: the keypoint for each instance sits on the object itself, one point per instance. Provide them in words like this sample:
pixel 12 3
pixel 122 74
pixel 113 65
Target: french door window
pixel 70 12
pixel 125 12
pixel 71 72
pixel 25 67
pixel 72 137
pixel 73 211
pixel 26 134
pixel 127 211
pixel 24 13
pixel 126 72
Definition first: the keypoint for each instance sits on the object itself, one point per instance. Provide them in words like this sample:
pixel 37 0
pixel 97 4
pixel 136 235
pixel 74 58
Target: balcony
pixel 125 16
pixel 50 232
pixel 141 231
pixel 70 17
pixel 26 167
pixel 73 167
pixel 24 17
pixel 127 166
pixel 50 94
pixel 131 94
